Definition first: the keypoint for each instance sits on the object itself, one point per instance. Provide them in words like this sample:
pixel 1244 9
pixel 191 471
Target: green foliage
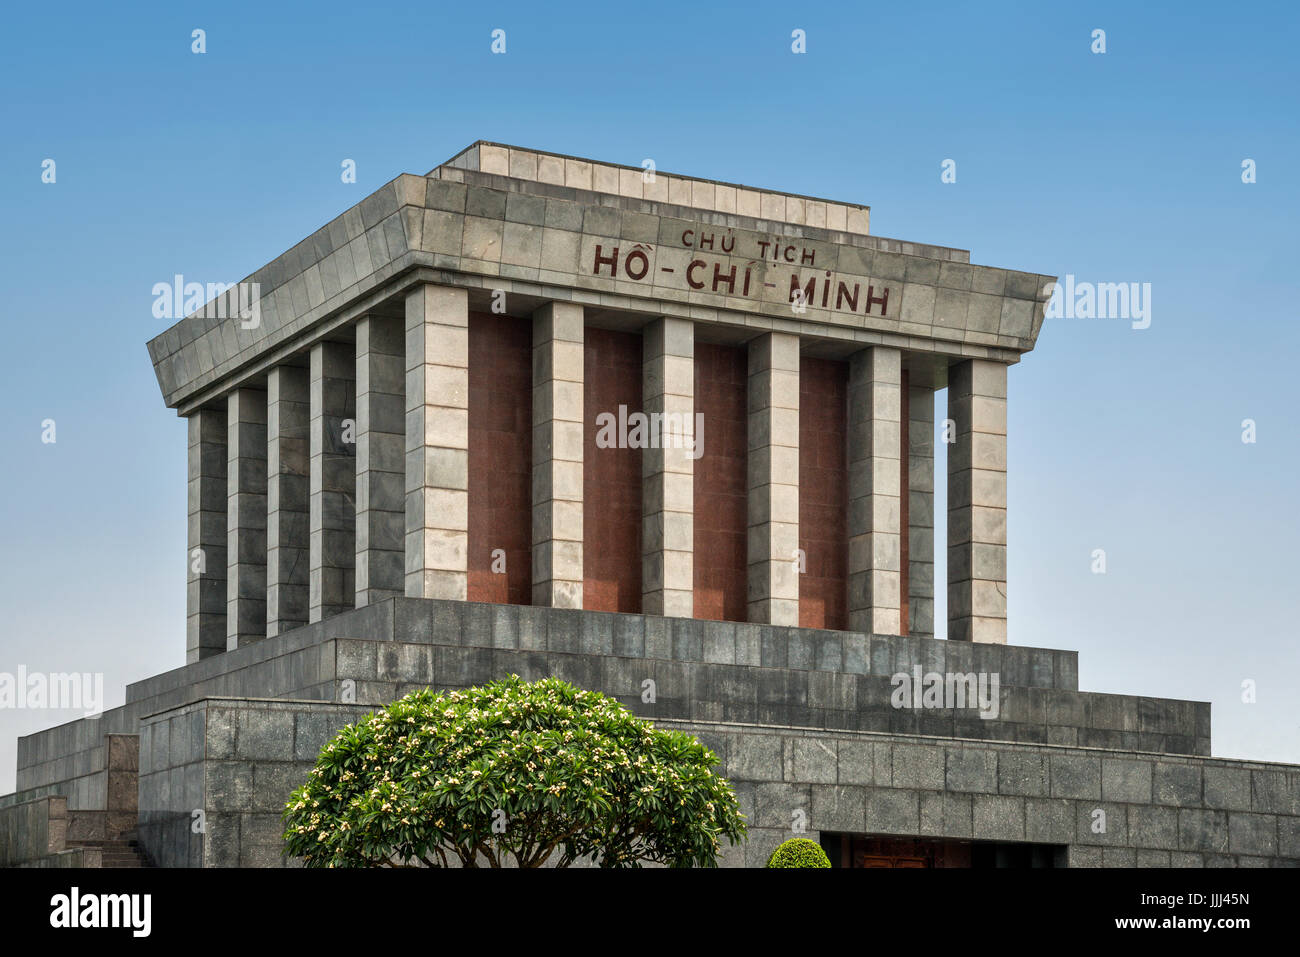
pixel 513 769
pixel 799 852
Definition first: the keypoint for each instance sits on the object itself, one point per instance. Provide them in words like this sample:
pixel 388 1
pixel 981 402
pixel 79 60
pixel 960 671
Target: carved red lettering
pixel 873 298
pixel 610 261
pixel 636 254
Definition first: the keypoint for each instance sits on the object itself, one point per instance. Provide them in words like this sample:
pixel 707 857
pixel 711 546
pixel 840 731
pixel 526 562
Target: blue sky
pixel 1115 167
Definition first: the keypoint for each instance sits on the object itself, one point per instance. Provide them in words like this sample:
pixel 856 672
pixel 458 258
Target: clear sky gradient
pixel 1115 167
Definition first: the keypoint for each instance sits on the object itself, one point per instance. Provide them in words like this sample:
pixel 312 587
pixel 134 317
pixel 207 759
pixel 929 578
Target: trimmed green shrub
pixel 535 772
pixel 799 852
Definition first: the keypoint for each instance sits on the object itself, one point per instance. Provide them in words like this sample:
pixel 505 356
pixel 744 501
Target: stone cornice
pixel 487 231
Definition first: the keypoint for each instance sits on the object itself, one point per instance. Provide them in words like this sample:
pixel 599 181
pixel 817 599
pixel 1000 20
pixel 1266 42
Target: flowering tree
pixel 535 772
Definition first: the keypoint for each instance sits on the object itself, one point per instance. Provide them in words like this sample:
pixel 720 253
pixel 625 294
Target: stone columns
pixel 381 456
pixel 205 585
pixel 437 442
pixel 874 519
pixel 773 479
pixel 288 465
pixel 246 517
pixel 332 547
pixel 667 469
pixel 977 502
pixel 920 511
pixel 557 455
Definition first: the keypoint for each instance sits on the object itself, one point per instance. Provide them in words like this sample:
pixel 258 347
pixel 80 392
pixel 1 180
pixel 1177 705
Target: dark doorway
pixel 856 850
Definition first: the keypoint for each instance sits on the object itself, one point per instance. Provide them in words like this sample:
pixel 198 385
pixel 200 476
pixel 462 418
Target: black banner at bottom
pixel 234 906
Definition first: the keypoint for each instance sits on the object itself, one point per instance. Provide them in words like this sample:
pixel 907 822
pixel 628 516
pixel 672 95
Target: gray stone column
pixel 875 479
pixel 246 517
pixel 558 375
pixel 381 457
pixel 332 500
pixel 667 469
pixel 437 442
pixel 288 420
pixel 205 585
pixel 773 479
pixel 920 511
pixel 977 502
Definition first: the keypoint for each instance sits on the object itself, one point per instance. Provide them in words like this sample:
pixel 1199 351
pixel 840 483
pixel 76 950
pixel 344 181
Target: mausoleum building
pixel 543 415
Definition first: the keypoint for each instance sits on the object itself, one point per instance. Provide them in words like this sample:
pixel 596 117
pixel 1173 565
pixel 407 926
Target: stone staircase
pixel 124 851
pixel 42 831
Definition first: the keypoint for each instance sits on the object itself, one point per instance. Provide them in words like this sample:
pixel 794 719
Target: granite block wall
pixel 1107 807
pixel 215 776
pixel 32 830
pixel 1110 808
pixel 301 663
pixel 707 674
pixel 727 681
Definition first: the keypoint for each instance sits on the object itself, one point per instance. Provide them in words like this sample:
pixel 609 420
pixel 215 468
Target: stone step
pixel 118 853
